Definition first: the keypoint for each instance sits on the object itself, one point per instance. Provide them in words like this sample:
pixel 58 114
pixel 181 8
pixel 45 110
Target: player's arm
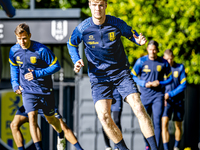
pixel 72 44
pixel 136 71
pixel 53 64
pixel 156 83
pixel 168 74
pixel 129 33
pixel 137 80
pixel 182 86
pixel 167 81
pixel 14 72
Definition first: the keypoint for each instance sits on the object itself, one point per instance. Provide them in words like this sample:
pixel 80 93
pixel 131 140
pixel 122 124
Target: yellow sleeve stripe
pixel 55 60
pixel 133 71
pixel 183 80
pixel 132 31
pixel 71 43
pixel 12 63
pixel 169 74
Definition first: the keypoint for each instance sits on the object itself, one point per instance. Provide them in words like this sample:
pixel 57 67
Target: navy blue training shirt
pixel 38 58
pixel 151 70
pixel 103 47
pixel 177 87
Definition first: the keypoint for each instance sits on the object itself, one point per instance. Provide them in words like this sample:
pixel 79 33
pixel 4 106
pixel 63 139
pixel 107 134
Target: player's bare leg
pixel 178 134
pixel 145 121
pixel 15 128
pixel 178 131
pixel 55 123
pixel 33 126
pixel 103 111
pixel 165 132
pixel 69 135
pixel 15 125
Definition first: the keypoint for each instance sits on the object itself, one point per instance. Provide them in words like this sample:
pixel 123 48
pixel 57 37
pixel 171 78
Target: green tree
pixel 173 23
pixel 21 4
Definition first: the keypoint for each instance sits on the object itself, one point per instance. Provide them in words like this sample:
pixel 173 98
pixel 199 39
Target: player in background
pixel 108 69
pixel 21 117
pixel 116 110
pixel 148 72
pixel 174 104
pixel 31 65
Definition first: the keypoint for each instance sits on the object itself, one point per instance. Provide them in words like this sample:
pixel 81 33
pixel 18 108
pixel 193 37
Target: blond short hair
pixel 96 1
pixel 21 28
pixel 169 52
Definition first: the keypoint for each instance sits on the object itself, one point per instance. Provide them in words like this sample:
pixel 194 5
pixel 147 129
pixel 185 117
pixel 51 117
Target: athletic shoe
pixel 176 148
pixel 61 144
pixel 147 148
pixel 108 148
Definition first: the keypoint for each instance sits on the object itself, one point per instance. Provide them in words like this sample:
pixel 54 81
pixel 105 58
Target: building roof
pixel 73 13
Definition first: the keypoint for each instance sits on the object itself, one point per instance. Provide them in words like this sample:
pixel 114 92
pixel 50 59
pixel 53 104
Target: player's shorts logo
pixel 59 29
pixel 33 60
pixel 176 74
pixel 159 68
pixel 112 36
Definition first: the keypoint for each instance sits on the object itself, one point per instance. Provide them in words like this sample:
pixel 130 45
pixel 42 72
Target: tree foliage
pixel 21 4
pixel 174 24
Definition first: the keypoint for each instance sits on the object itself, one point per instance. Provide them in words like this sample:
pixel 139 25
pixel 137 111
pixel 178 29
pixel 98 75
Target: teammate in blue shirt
pixel 116 110
pixel 174 95
pixel 31 65
pixel 108 68
pixel 151 69
pixel 21 117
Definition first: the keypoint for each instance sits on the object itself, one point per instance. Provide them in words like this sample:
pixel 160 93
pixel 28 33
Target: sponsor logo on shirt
pixel 176 74
pixel 112 36
pixel 92 43
pixel 33 59
pixel 146 69
pixel 18 60
pixel 91 37
pixel 159 68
